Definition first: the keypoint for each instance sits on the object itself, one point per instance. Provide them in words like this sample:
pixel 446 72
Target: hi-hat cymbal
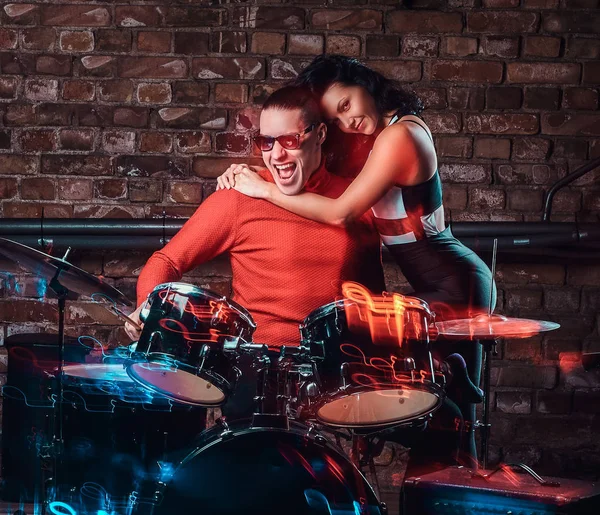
pixel 69 276
pixel 493 326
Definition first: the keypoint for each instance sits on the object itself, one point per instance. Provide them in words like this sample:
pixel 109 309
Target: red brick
pixel 405 71
pixel 193 142
pixel 131 117
pixel 110 189
pixel 108 211
pixel 154 93
pixel 548 73
pixel 522 301
pixel 287 69
pixel 591 73
pixel 310 44
pixel 503 98
pixel 578 22
pixel 231 93
pixel 190 92
pixel 188 118
pixel 260 92
pixel 525 376
pixel 138 16
pixel 501 46
pixel 150 166
pixel 97 66
pixel 531 273
pixel 21 210
pixel 5 137
pixel 584 275
pixel 75 15
pixel 567 201
pixel 8 87
pixel 76 165
pixel 20 115
pixel 41 90
pixel 541 46
pixel 8 39
pixel 116 91
pixel 76 41
pixel 75 189
pixel 38 38
pixel 558 300
pixel 442 122
pixel 232 142
pixel 15 311
pixel 334 19
pixel 18 165
pixel 377 46
pixel 540 4
pixel 76 139
pixel 191 43
pixel 466 98
pixel 501 123
pixel 268 17
pixel 152 67
pixel 271 43
pixel 455 197
pixel 113 40
pixel 465 173
pixel 118 142
pixel 432 98
pixel 79 313
pixel 18 63
pixel 486 198
pixel 156 142
pixel 424 22
pixel 531 149
pixel 581 124
pixel 513 402
pixel 195 17
pixel 78 90
pixel 590 299
pixel 228 42
pixel 184 192
pixel 247 120
pixel 525 200
pixel 212 167
pixel 580 98
pixel 37 189
pixel 502 22
pixel 545 99
pixel 467 71
pixel 419 46
pixel 554 402
pixel 37 141
pixel 579 47
pixel 228 68
pixel 55 114
pixel 454 146
pixel 145 191
pixel 460 46
pixel 20 14
pixel 155 42
pixel 344 45
pixel 591 201
pixel 499 4
pixel 53 64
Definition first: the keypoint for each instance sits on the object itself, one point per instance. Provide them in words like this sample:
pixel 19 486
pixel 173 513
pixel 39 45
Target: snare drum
pixel 372 374
pixel 180 351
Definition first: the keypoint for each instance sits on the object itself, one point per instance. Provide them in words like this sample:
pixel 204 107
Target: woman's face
pixel 351 108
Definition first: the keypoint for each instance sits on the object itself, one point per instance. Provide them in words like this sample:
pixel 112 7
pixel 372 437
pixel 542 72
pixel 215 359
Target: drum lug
pixel 222 423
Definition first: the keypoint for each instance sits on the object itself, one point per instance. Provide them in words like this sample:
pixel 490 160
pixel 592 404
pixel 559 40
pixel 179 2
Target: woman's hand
pixel 132 331
pixel 251 184
pixel 226 181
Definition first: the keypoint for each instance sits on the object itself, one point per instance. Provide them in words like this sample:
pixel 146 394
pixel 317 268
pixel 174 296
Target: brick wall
pixel 113 109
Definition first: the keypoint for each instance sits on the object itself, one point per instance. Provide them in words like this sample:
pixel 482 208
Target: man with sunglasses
pixel 283 266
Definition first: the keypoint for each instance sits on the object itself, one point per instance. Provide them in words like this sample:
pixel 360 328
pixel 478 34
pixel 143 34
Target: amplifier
pixel 454 491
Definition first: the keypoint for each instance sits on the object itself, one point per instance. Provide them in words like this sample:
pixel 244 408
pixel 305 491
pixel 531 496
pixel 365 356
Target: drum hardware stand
pixel 489 349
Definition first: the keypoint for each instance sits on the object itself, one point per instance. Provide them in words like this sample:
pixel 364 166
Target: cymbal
pixel 72 278
pixel 492 326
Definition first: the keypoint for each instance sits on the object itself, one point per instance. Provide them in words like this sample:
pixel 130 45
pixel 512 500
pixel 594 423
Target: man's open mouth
pixel 285 171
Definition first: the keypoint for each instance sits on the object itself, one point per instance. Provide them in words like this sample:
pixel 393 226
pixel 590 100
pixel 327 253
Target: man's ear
pixel 321 133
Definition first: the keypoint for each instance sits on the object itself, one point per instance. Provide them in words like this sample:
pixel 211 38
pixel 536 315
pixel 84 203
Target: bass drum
pixel 256 470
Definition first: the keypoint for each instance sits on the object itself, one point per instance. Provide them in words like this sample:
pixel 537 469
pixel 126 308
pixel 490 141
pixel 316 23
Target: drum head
pixel 262 471
pixel 98 372
pixel 176 384
pixel 378 408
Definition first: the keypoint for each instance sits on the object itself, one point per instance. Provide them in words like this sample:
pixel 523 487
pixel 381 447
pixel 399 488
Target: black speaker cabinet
pixel 27 413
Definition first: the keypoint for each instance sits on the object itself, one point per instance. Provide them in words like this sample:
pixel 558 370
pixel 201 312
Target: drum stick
pixel 122 316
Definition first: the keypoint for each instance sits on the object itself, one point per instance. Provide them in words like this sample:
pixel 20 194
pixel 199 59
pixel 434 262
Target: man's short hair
pixel 294 97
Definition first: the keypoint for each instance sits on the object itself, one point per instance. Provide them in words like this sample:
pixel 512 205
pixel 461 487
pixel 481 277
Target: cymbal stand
pixel 57 438
pixel 489 349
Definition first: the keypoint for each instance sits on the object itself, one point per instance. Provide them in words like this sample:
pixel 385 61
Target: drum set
pixel 129 435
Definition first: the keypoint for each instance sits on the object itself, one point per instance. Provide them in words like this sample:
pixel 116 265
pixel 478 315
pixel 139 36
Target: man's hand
pixel 132 331
pixel 226 181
